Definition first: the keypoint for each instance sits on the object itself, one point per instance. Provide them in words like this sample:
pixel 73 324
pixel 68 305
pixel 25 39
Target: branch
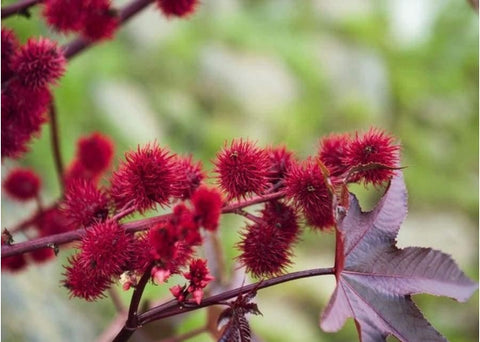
pixel 174 308
pixel 132 321
pixel 20 7
pixel 78 45
pixel 56 144
pixel 135 226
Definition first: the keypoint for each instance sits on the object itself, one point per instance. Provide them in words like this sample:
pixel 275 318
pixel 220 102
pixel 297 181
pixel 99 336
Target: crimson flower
pixel 242 169
pixel 22 184
pixel 38 63
pixel 305 185
pixel 373 147
pixel 207 203
pixel 199 277
pixel 145 179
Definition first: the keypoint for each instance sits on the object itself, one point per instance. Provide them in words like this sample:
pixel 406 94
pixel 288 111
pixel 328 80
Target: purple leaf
pixel 237 328
pixel 375 279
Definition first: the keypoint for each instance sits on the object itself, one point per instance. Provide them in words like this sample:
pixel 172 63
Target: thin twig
pixel 20 7
pixel 171 309
pixel 56 144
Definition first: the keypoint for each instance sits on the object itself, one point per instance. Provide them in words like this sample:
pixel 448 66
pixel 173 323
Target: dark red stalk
pixel 173 308
pixel 135 226
pixel 132 321
pixel 57 157
pixel 20 7
pixel 78 45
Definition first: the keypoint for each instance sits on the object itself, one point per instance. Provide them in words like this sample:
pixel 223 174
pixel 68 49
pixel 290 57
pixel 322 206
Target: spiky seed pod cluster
pixel 95 20
pixel 30 70
pixel 242 169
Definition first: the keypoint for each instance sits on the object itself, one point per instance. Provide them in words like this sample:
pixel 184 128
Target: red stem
pixel 57 157
pixel 132 321
pixel 78 45
pixel 135 226
pixel 20 7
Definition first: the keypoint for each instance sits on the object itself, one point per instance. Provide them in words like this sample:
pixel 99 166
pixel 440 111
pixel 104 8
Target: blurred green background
pixel 276 72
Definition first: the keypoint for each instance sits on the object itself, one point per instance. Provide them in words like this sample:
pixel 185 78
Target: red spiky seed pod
pixel 305 185
pixel 23 112
pixel 190 175
pixel 84 204
pixel 38 63
pixel 52 221
pixel 145 179
pixel 22 184
pixel 101 21
pixel 199 277
pixel 242 169
pixel 332 152
pixel 177 8
pixel 42 255
pixel 265 252
pixel 82 282
pixel 65 16
pixel 14 263
pixel 280 160
pixel 105 249
pixel 95 152
pixel 187 227
pixel 373 147
pixel 207 203
pixel 282 217
pixel 10 45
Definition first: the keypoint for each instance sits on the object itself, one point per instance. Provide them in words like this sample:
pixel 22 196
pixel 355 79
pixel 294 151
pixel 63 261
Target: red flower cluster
pixel 22 184
pixel 368 158
pixel 94 19
pixel 199 277
pixel 29 71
